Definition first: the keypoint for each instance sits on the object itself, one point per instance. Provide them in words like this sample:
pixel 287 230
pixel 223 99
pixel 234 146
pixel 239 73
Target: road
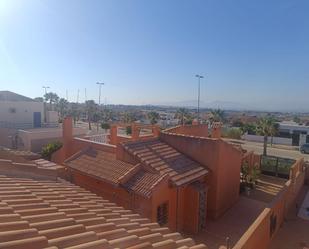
pixel 287 152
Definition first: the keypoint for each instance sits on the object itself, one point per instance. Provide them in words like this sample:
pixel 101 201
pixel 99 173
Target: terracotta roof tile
pixel 74 218
pixel 100 164
pixel 166 160
pixel 143 182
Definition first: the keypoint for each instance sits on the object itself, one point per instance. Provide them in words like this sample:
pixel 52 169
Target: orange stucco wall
pixel 200 130
pixel 258 235
pixel 72 145
pixel 224 162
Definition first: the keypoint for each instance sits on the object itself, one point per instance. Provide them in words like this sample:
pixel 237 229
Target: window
pixel 273 224
pixel 162 214
pixel 12 110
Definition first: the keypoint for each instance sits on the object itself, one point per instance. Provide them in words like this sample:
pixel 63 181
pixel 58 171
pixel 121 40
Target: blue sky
pixel 255 53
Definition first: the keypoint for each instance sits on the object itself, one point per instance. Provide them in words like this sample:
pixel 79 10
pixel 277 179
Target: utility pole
pixel 198 96
pixel 85 94
pixel 67 95
pixel 100 86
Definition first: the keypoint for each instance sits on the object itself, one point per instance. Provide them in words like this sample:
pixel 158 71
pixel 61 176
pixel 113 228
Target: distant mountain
pixel 225 105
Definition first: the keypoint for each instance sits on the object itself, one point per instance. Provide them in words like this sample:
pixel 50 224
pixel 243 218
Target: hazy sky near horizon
pixel 255 53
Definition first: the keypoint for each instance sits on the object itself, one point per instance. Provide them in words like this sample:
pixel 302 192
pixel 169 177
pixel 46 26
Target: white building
pixel 17 111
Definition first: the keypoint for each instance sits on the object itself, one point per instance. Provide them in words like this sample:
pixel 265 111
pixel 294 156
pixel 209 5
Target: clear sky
pixel 254 53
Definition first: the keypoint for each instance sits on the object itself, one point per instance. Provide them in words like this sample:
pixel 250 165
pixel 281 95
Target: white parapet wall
pixel 276 140
pixel 34 139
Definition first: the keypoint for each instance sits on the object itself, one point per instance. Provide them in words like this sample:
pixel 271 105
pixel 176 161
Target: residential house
pixel 177 177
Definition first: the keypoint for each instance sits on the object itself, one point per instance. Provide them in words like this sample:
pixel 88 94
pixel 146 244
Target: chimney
pixel 195 122
pixel 135 131
pixel 113 134
pixel 67 130
pixel 155 130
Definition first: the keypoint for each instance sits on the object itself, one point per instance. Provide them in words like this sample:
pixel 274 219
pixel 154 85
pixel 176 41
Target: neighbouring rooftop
pixel 164 159
pixel 41 214
pixel 10 96
pixel 100 164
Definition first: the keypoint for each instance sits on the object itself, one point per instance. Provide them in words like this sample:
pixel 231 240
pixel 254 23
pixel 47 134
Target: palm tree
pixel 153 117
pixel 74 111
pixel 266 127
pixel 62 107
pixel 129 117
pixel 182 114
pixel 90 110
pixel 52 98
pixel 217 115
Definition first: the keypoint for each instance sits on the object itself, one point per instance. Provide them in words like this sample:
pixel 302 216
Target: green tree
pixel 105 126
pixel 266 127
pixel 90 109
pixel 234 133
pixel 107 115
pixel 74 111
pixel 50 148
pixel 296 119
pixel 39 99
pixel 62 107
pixel 153 117
pixel 248 128
pixel 52 98
pixel 183 115
pixel 217 115
pixel 128 117
pixel 129 130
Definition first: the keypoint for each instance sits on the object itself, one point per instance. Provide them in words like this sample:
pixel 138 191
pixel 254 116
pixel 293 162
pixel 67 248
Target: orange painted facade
pixel 224 162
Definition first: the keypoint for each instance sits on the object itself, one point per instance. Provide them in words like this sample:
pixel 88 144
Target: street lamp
pixel 198 97
pixel 45 88
pixel 100 86
pixel 44 104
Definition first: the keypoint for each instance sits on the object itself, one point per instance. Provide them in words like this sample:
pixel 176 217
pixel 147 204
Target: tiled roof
pixel 166 160
pixel 100 164
pixel 57 214
pixel 143 182
pixel 10 96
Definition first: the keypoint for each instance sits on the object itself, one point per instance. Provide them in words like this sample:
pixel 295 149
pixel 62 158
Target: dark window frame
pixel 162 214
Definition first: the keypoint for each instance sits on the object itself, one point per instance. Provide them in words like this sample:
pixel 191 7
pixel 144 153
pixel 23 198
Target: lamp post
pixel 198 96
pixel 44 104
pixel 100 86
pixel 45 88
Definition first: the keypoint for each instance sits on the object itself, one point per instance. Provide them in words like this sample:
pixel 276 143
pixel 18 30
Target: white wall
pixel 42 136
pixel 52 117
pixel 276 140
pixel 23 111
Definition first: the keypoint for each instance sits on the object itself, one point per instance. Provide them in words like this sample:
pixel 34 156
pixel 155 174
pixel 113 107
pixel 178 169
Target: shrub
pixel 105 126
pixel 129 130
pixel 50 148
pixel 234 133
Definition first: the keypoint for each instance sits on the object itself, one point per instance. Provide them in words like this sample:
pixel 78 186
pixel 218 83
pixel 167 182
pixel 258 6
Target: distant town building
pixel 298 133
